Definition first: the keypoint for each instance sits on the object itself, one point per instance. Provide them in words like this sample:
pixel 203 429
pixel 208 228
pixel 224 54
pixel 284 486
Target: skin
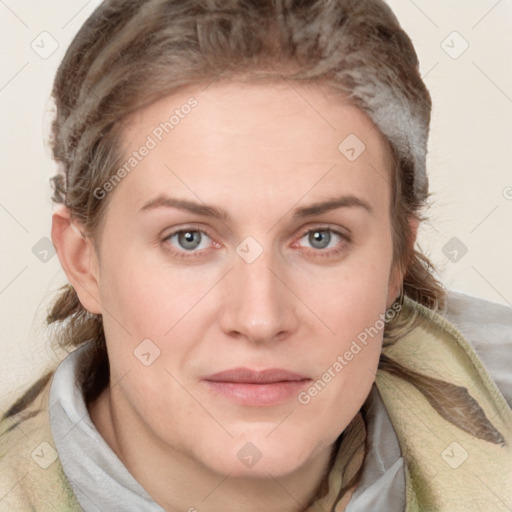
pixel 259 152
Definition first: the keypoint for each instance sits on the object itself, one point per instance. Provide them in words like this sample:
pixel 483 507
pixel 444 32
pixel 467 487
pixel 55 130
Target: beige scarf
pixel 453 425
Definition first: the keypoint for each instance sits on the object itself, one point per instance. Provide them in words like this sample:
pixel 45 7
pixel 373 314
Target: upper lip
pixel 248 376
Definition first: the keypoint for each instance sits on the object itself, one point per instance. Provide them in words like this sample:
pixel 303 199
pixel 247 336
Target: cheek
pixel 352 305
pixel 345 377
pixel 157 313
pixel 349 298
pixel 148 296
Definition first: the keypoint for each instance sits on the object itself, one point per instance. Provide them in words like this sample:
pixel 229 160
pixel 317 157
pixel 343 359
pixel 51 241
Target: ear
pixel 397 275
pixel 77 257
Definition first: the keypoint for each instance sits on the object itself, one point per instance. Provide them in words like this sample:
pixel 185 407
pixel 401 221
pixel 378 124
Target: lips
pixel 271 386
pixel 248 376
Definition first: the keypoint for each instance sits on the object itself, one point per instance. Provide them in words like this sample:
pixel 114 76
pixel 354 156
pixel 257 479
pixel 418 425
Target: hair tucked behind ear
pixel 81 327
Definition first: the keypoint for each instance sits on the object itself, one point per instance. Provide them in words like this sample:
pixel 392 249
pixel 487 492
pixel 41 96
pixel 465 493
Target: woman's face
pixel 245 265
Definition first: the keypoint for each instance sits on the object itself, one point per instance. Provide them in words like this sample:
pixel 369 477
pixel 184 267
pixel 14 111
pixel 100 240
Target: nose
pixel 258 305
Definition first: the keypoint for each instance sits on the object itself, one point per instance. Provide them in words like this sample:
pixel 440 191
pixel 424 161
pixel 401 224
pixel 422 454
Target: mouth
pixel 267 387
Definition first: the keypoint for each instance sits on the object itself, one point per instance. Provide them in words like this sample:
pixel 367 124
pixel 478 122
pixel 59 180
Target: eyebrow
pixel 345 201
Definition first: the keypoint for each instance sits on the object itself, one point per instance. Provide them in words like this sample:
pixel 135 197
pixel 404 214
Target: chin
pixel 258 455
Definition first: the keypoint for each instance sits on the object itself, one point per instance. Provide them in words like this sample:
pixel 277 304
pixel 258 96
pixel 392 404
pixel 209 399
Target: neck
pixel 179 482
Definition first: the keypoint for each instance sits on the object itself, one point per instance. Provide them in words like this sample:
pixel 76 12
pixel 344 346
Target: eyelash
pixel 322 253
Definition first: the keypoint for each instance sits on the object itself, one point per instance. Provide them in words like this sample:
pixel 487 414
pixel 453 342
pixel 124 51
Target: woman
pixel 239 193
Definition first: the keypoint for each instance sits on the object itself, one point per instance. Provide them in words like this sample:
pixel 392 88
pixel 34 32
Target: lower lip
pixel 273 393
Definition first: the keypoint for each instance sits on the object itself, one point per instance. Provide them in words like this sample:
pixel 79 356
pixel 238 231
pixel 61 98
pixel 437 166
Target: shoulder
pixel 31 476
pixel 487 327
pixel 441 388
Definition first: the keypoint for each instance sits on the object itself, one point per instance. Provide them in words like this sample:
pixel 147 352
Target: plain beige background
pixel 464 47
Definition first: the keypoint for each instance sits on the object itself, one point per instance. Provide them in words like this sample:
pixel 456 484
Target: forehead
pixel 271 143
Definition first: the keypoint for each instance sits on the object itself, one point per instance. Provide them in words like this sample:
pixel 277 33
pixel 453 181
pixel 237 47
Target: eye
pixel 189 240
pixel 323 241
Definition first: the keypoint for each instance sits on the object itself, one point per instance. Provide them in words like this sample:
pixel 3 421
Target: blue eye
pixel 323 242
pixel 189 239
pixel 319 238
